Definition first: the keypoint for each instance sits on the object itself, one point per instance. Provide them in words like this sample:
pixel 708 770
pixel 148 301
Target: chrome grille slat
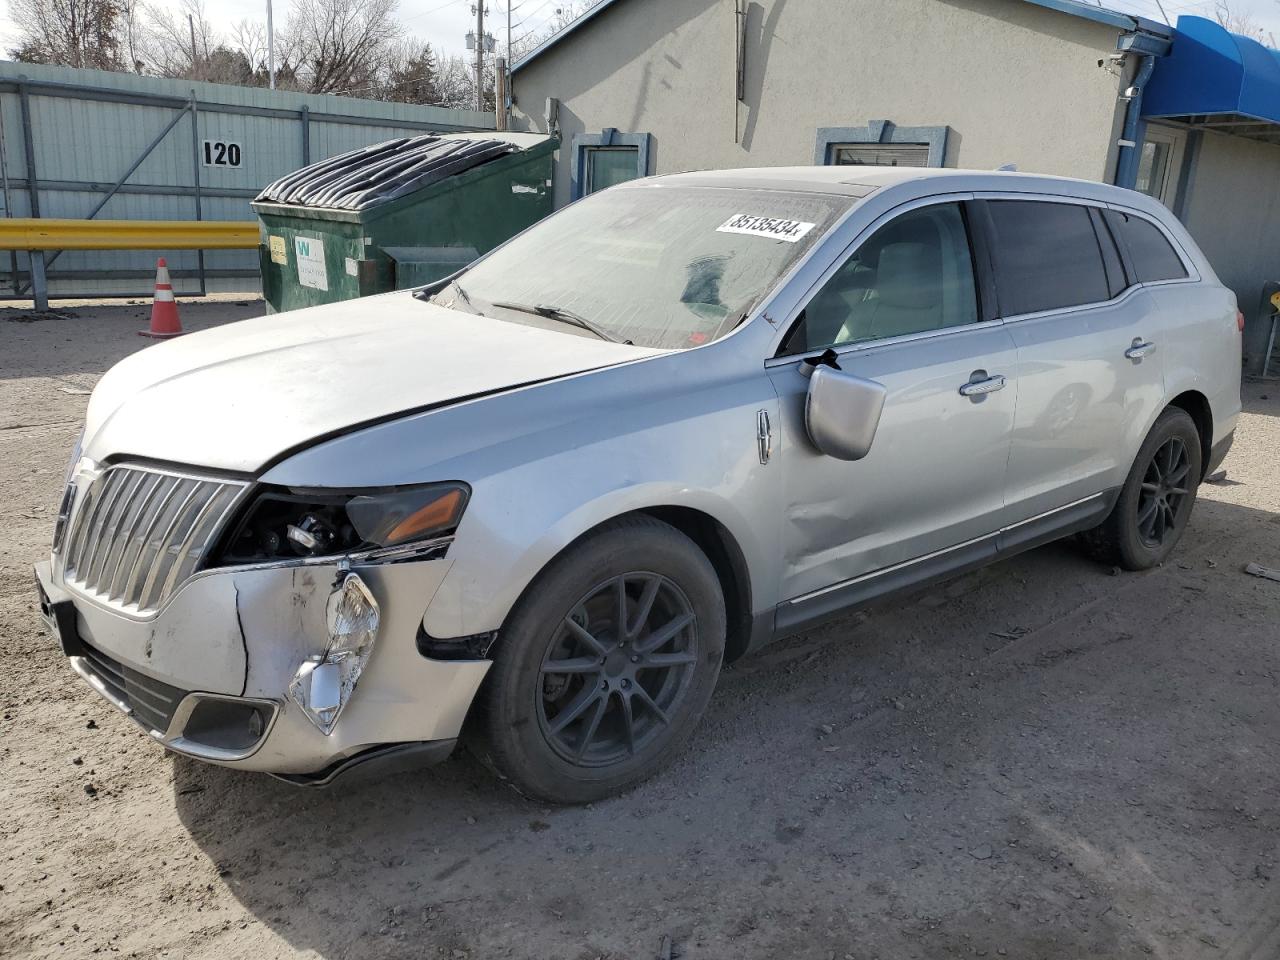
pixel 139 533
pixel 76 532
pixel 111 528
pixel 101 507
pixel 187 554
pixel 133 542
pixel 163 545
pixel 138 572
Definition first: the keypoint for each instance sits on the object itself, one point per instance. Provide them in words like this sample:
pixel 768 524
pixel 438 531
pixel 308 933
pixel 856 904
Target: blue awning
pixel 1217 79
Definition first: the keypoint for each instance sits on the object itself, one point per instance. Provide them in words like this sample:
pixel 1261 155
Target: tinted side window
pixel 1047 256
pixel 1149 252
pixel 913 274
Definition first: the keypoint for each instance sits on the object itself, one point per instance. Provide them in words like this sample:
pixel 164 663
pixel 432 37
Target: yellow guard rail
pixel 46 234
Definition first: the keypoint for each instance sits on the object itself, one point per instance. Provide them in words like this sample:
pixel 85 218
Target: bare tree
pixel 411 73
pixel 348 47
pixel 342 45
pixel 563 14
pixel 73 33
pixel 456 83
pixel 179 44
pixel 1242 22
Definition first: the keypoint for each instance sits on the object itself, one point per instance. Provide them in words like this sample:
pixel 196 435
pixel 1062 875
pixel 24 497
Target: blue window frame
pixel 830 139
pixel 616 151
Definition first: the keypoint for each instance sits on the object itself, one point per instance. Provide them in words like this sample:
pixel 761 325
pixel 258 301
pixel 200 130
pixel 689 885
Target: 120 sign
pixel 219 153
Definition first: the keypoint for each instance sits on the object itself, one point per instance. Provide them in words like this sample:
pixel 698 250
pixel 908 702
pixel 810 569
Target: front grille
pixel 138 534
pixel 150 702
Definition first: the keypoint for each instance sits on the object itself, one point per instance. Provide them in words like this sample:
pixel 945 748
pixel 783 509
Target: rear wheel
pixel 1155 503
pixel 606 665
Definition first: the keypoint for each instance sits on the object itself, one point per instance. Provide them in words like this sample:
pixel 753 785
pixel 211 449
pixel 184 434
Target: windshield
pixel 657 266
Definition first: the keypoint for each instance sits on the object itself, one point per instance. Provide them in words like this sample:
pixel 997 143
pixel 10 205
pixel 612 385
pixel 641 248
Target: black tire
pixel 1155 502
pixel 638 697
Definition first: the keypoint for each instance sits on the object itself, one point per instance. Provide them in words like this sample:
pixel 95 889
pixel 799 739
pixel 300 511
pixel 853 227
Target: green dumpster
pixel 398 214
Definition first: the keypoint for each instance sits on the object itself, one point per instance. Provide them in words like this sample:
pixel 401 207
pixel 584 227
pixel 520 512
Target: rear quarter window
pixel 1046 256
pixel 1151 255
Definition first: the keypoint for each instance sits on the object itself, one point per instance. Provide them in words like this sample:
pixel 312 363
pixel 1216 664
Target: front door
pixel 902 309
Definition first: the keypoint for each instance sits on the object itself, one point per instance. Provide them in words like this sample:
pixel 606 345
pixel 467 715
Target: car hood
pixel 240 396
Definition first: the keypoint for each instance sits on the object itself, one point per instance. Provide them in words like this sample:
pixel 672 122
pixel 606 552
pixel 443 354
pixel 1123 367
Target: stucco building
pixel 1190 115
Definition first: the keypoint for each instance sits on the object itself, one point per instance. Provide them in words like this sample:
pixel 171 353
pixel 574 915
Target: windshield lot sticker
pixel 775 228
pixel 311 271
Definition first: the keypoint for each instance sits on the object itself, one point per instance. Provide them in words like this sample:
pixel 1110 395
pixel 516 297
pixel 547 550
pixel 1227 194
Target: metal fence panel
pixel 88 128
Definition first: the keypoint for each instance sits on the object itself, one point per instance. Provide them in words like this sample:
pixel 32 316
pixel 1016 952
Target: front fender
pixel 490 572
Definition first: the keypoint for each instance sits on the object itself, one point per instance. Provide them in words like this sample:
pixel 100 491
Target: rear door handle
pixel 1139 348
pixel 980 384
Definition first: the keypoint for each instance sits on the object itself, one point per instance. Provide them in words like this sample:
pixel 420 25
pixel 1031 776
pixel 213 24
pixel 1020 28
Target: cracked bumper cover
pixel 238 635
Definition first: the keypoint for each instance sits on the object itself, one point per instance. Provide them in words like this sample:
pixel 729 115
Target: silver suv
pixel 544 500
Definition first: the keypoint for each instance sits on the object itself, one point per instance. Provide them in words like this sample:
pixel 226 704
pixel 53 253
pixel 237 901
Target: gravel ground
pixel 1040 760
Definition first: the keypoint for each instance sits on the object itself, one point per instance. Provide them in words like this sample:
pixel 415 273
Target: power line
pixel 427 13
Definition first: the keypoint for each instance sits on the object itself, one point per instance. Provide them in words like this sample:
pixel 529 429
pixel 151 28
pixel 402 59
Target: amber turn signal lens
pixel 439 513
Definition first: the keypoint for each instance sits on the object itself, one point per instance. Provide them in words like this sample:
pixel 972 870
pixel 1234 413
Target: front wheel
pixel 606 664
pixel 1155 503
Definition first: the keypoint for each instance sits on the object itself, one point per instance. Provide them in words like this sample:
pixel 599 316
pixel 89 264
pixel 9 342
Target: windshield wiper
pixel 564 316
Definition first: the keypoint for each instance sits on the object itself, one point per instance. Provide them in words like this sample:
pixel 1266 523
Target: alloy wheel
pixel 1164 491
pixel 617 669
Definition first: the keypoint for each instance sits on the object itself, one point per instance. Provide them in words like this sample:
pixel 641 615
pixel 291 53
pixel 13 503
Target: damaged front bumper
pixel 208 675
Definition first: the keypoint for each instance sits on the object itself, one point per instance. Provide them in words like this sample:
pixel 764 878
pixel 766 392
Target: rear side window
pixel 1152 256
pixel 1047 256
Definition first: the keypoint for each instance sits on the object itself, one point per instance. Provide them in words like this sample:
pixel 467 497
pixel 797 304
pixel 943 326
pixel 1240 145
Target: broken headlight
pixel 324 683
pixel 290 524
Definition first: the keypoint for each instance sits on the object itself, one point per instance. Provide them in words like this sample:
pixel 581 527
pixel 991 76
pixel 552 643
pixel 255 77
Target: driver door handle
pixel 980 384
pixel 1139 348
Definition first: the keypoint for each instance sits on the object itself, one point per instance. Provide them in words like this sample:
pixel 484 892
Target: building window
pixel 602 159
pixel 880 154
pixel 881 143
pixel 606 166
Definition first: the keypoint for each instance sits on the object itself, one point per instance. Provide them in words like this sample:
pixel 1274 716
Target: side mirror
pixel 841 411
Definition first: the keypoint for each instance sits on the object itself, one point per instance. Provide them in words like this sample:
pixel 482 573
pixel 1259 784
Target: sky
pixel 444 23
pixel 1265 13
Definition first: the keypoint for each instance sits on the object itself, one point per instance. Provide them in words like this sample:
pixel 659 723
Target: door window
pixel 912 275
pixel 1153 168
pixel 1152 256
pixel 607 166
pixel 1047 256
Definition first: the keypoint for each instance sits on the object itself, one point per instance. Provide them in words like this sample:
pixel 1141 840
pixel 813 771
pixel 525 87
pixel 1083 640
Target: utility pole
pixel 506 65
pixel 500 93
pixel 479 10
pixel 271 49
pixel 191 25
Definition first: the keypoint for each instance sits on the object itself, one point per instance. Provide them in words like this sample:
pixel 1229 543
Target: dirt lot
pixel 1042 760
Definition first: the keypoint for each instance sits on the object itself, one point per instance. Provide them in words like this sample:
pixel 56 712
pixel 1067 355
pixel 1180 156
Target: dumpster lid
pixel 377 174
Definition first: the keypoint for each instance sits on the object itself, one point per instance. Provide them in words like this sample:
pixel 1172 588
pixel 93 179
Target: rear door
pixel 901 307
pixel 1089 369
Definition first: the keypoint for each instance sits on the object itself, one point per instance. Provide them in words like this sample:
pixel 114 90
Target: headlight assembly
pixel 291 524
pixel 324 683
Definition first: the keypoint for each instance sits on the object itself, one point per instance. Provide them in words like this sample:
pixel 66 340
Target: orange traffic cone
pixel 164 309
